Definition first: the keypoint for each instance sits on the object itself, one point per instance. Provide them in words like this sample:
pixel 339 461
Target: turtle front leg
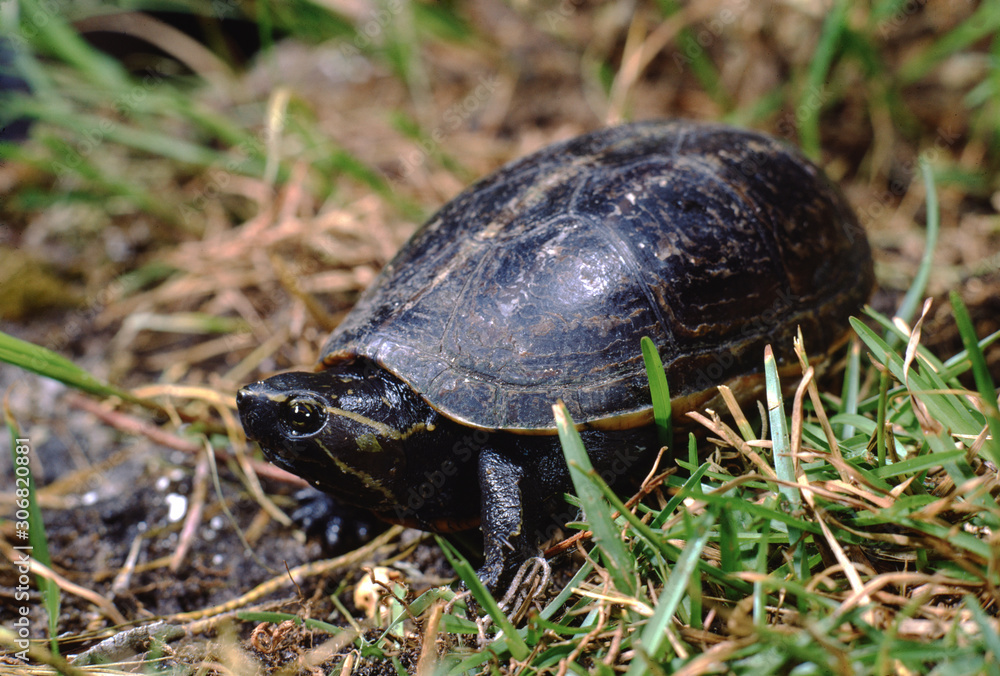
pixel 509 536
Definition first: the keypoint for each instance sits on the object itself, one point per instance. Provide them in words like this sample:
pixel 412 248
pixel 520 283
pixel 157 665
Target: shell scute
pixel 537 283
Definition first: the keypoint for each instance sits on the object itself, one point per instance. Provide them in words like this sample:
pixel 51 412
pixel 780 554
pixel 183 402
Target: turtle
pixel 431 405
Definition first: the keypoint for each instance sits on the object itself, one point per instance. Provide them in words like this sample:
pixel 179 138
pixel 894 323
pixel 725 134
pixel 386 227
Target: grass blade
pixel 819 68
pixel 852 387
pixel 947 408
pixel 984 22
pixel 908 306
pixel 597 512
pixel 784 465
pixel 659 391
pixel 981 373
pixel 518 649
pixel 45 362
pixel 57 37
pixel 694 55
pixel 654 636
pixel 988 631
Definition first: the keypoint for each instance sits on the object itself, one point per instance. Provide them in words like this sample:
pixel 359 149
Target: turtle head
pixel 342 429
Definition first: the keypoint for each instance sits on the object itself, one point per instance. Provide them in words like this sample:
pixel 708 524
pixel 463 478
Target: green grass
pixel 659 391
pixel 96 121
pixel 49 364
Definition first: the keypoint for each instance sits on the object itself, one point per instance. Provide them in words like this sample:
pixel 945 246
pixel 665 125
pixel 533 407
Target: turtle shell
pixel 537 282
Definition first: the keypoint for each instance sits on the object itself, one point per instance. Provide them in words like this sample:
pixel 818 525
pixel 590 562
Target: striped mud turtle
pixel 432 403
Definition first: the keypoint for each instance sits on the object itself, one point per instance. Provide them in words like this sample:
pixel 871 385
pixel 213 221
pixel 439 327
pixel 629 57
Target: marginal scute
pixel 537 283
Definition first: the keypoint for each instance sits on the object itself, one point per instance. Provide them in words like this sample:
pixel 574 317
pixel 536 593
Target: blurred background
pixel 190 167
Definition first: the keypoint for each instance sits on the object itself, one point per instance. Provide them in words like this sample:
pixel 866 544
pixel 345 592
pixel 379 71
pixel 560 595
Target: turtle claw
pixel 529 582
pixel 526 587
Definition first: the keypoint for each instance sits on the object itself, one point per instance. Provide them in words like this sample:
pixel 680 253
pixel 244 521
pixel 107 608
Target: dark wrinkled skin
pixel 536 284
pixel 444 479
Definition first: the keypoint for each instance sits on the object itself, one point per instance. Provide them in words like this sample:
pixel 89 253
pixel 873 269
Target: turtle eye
pixel 303 417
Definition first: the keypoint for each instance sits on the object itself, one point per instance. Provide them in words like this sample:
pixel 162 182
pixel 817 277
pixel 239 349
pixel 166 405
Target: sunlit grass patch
pixel 850 561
